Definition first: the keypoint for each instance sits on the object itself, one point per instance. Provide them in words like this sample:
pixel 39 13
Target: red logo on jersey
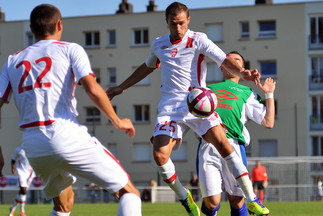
pixel 225 95
pixel 189 43
pixel 173 52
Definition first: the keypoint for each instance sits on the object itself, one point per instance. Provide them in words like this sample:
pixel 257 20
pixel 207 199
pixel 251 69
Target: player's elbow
pixel 268 124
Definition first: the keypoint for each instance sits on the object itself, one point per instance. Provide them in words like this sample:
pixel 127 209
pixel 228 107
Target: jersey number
pixel 38 83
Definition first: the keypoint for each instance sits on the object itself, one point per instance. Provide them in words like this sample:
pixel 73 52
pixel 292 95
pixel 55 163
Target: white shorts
pixel 82 156
pixel 25 177
pixel 176 124
pixel 213 172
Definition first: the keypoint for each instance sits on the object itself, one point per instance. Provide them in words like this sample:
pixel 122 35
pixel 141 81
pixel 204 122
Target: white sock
pixel 240 172
pixel 130 205
pixel 55 213
pixel 22 202
pixel 168 173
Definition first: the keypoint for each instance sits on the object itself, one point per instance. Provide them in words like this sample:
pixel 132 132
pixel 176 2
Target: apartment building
pixel 284 41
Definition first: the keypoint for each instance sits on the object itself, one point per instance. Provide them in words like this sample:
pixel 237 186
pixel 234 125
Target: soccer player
pixel 180 55
pixel 236 105
pixel 42 80
pixel 20 165
pixel 259 180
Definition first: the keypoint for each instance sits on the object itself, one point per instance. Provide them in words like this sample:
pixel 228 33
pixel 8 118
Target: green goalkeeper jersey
pixel 236 105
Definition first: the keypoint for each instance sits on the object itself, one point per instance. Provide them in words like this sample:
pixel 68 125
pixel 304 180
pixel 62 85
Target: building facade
pixel 284 41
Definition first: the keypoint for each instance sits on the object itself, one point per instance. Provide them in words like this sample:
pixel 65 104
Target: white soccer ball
pixel 201 102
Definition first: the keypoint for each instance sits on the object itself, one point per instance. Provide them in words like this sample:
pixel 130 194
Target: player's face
pixel 178 25
pixel 237 58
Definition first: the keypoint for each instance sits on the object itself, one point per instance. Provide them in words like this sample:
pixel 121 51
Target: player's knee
pixel 210 210
pixel 160 157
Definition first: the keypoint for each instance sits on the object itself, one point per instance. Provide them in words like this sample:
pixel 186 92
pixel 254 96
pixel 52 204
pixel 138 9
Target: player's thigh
pixel 97 164
pixel 209 171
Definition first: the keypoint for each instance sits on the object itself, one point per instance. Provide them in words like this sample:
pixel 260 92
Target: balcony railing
pixel 315 41
pixel 315 82
pixel 316 122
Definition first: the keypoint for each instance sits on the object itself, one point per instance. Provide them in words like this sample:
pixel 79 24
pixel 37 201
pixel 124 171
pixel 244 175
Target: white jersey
pixel 183 66
pixel 24 170
pixel 42 79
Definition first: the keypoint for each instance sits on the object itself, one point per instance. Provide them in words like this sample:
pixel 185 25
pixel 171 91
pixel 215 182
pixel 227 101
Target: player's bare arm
pixel 139 74
pixel 102 102
pixel 268 89
pixel 233 67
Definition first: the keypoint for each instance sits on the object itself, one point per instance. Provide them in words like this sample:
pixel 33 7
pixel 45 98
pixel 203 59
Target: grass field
pixel 172 209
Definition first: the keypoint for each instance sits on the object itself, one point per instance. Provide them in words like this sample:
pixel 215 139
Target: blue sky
pixel 20 9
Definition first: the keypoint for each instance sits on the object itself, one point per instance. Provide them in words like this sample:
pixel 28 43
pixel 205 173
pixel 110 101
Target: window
pixel 214 32
pixel 268 148
pixel 317 69
pixel 317 111
pixel 268 69
pixel 244 27
pixel 145 81
pixel 141 113
pixel 142 152
pixel 113 148
pixel 140 37
pixel 112 76
pixel 111 38
pixel 92 39
pixel 316 32
pixel 317 146
pixel 92 115
pixel 267 29
pixel 214 74
pixel 96 71
pixel 30 38
pixel 180 154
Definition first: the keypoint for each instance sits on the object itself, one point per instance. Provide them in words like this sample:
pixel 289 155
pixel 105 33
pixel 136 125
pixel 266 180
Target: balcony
pixel 316 122
pixel 315 41
pixel 315 82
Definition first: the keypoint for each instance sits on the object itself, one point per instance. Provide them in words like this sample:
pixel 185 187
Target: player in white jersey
pixel 20 166
pixel 42 78
pixel 236 105
pixel 181 57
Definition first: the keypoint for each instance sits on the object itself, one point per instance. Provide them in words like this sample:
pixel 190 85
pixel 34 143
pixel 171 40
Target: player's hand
pixel 126 125
pixel 269 86
pixel 251 75
pixel 114 91
pixel 13 170
pixel 265 184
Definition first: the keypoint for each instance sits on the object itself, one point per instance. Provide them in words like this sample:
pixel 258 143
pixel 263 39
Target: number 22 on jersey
pixel 38 83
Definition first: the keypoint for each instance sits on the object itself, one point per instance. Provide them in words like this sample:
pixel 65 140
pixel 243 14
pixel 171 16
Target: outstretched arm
pixel 102 102
pixel 268 89
pixel 233 67
pixel 139 74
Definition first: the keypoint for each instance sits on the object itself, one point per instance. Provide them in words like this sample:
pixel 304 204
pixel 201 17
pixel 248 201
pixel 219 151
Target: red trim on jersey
pixel 189 43
pixel 60 43
pixel 158 63
pixel 199 62
pixel 6 93
pixel 171 179
pixel 244 174
pixel 116 160
pixel 175 42
pixel 20 51
pixel 91 74
pixel 37 124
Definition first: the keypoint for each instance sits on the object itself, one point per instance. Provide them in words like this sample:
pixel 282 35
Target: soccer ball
pixel 201 102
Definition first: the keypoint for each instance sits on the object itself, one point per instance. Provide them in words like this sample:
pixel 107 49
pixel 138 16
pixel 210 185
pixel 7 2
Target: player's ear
pixel 59 25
